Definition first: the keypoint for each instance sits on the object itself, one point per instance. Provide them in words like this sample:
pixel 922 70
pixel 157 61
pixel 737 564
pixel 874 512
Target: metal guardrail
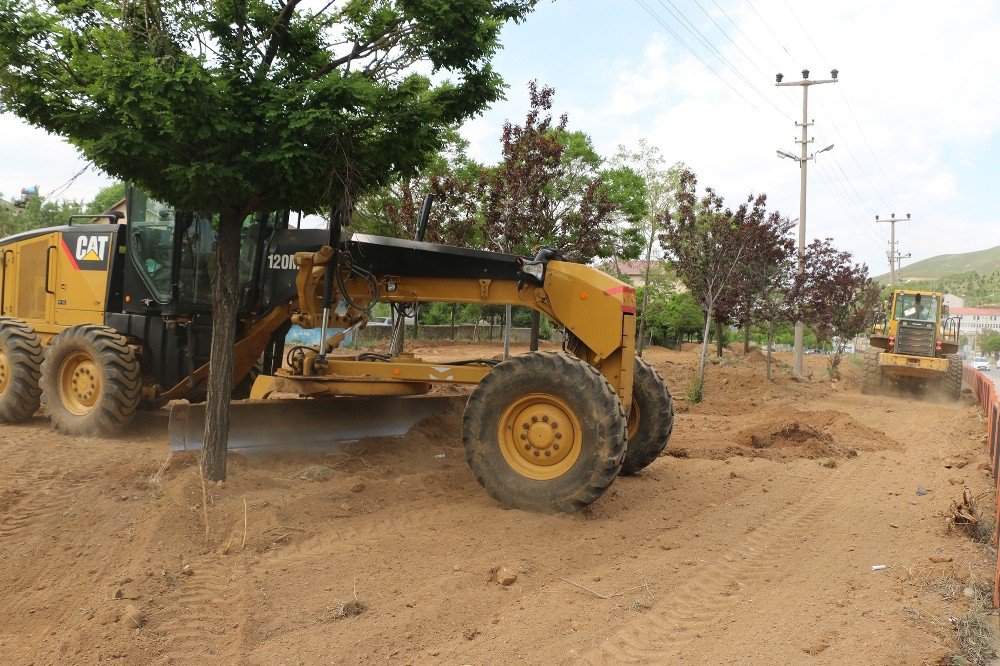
pixel 986 392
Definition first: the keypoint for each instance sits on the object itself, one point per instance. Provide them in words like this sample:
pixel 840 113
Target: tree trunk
pixel 536 323
pixel 645 292
pixel 225 301
pixel 453 306
pixel 746 339
pixel 493 319
pixel 704 347
pixel 416 320
pixel 718 337
pixel 770 344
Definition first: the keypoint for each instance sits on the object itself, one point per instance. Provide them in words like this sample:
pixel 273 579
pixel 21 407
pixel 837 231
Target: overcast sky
pixel 914 119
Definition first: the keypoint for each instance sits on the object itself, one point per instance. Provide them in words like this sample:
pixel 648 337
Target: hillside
pixel 944 265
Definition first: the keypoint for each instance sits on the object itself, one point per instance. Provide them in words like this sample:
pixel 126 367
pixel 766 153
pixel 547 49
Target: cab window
pixel 908 307
pixel 151 237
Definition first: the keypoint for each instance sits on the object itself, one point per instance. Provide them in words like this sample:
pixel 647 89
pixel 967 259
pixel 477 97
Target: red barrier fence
pixel 986 392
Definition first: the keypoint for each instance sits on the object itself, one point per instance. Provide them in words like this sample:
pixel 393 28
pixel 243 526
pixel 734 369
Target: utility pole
pixel 803 161
pixel 894 256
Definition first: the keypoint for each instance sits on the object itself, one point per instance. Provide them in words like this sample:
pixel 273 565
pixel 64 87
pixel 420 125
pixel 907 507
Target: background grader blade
pixel 307 425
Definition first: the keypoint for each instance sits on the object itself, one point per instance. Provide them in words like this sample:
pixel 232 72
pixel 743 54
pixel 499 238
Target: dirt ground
pixel 751 541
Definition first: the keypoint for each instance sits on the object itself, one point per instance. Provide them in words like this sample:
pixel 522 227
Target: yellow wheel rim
pixel 4 372
pixel 540 437
pixel 79 383
pixel 632 424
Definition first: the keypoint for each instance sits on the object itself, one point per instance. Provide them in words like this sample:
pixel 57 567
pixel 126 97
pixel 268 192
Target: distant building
pixel 977 320
pixel 635 270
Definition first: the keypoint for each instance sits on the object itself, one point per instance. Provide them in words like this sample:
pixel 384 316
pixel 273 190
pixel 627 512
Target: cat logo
pixel 87 252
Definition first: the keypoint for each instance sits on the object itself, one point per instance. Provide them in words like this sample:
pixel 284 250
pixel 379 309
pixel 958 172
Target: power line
pixel 850 110
pixel 726 35
pixel 657 18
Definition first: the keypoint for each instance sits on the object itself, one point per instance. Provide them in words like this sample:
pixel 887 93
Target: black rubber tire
pixel 871 373
pixel 20 343
pixel 656 419
pixel 594 404
pixel 118 399
pixel 952 382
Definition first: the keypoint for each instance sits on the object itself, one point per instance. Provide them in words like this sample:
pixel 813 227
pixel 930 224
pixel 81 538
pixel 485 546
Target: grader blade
pixel 307 425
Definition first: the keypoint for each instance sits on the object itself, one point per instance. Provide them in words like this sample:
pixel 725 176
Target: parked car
pixel 814 351
pixel 980 363
pixel 380 321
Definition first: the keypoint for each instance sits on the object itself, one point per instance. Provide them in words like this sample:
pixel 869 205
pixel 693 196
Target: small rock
pixel 948 464
pixel 574 625
pixel 596 579
pixel 432 652
pixel 125 593
pixel 894 525
pixel 505 576
pixel 345 507
pixel 667 545
pixel 937 559
pixel 357 486
pixel 469 634
pixel 689 563
pixel 956 480
pixel 133 617
pixel 985 466
pixel 123 498
pixel 187 570
pixel 922 491
pixel 829 463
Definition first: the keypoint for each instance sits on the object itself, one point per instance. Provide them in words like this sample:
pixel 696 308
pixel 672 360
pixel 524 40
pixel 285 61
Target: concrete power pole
pixel 894 256
pixel 803 161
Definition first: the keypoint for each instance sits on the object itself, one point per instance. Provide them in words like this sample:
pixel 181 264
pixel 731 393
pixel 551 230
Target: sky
pixel 914 118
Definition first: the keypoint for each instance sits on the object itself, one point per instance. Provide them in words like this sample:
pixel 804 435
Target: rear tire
pixel 952 383
pixel 871 373
pixel 20 370
pixel 544 431
pixel 90 381
pixel 650 421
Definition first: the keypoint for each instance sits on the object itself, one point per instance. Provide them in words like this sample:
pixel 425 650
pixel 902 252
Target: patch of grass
pixel 982 532
pixel 315 473
pixel 695 392
pixel 977 636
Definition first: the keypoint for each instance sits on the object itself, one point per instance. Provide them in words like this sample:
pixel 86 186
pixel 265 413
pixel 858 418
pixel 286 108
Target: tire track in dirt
pixel 204 614
pixel 697 604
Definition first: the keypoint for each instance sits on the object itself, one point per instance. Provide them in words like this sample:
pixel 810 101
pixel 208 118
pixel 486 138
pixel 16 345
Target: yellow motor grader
pixel 100 319
pixel 914 345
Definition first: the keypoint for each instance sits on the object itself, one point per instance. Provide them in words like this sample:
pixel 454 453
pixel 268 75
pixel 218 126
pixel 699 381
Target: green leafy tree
pixel 107 198
pixel 229 108
pixel 36 213
pixel 659 191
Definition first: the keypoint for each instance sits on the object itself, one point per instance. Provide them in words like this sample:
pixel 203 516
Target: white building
pixel 953 301
pixel 977 320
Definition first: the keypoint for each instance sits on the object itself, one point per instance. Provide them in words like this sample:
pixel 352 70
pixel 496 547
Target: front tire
pixel 544 432
pixel 871 373
pixel 90 381
pixel 953 380
pixel 650 421
pixel 20 369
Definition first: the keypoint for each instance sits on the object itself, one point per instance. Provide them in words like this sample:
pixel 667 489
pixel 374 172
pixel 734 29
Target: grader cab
pixel 99 320
pixel 914 345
